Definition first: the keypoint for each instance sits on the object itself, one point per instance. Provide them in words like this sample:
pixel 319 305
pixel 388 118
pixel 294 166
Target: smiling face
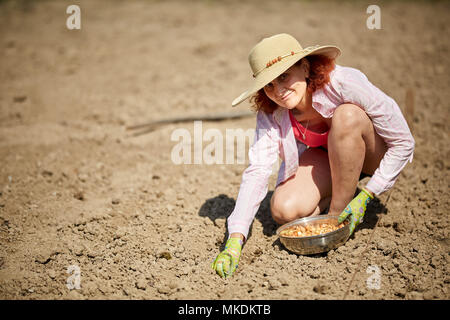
pixel 288 90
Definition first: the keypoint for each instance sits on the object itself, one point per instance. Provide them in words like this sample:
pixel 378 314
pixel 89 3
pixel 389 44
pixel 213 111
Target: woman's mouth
pixel 285 96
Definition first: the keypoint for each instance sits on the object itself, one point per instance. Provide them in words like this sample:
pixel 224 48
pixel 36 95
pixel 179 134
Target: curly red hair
pixel 320 67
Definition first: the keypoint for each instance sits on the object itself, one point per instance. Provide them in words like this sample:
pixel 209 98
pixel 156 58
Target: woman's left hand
pixel 357 208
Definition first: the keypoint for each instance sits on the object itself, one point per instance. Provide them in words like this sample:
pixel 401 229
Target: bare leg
pixel 307 193
pixel 353 147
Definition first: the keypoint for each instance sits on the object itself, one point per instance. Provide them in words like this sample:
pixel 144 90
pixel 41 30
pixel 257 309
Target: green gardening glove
pixel 357 208
pixel 227 261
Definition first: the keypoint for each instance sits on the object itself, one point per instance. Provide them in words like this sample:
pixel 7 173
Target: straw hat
pixel 274 55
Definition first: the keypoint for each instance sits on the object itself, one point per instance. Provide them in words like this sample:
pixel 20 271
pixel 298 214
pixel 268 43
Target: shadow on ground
pixel 221 206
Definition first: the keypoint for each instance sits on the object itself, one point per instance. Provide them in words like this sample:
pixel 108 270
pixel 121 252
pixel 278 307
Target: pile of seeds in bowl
pixel 311 230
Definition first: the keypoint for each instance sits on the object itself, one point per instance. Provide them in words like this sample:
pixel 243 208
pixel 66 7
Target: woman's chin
pixel 289 106
pixel 291 103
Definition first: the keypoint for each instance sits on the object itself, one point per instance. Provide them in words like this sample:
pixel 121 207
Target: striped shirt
pixel 274 138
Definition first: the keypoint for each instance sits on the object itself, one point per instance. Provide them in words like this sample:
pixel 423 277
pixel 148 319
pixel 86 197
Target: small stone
pixel 83 177
pixel 163 289
pixel 141 284
pixel 91 253
pixel 274 284
pixel 77 250
pixel 79 195
pixel 321 289
pixel 166 255
pixel 47 173
pixel 284 280
pixel 120 232
pixel 115 201
pixel 52 274
pixel 173 285
pixel 43 258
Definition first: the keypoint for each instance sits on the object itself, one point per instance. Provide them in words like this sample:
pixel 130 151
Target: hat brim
pixel 268 74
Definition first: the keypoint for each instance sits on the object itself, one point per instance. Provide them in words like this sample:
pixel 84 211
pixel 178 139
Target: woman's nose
pixel 279 90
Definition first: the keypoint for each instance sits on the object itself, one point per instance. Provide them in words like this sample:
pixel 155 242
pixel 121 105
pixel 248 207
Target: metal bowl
pixel 315 244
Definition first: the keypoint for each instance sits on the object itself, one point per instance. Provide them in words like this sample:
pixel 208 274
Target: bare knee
pixel 286 209
pixel 348 118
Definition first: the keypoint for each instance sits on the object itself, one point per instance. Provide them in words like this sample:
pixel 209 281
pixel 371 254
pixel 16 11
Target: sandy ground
pixel 78 190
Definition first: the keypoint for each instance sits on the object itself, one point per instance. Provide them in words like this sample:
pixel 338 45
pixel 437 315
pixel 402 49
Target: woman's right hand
pixel 227 261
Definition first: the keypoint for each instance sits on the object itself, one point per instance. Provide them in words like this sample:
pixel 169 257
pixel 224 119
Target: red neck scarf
pixel 308 137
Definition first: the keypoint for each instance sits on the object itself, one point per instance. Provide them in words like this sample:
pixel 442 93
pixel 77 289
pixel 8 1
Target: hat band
pixel 279 58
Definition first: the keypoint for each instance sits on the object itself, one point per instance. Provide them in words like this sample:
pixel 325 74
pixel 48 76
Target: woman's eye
pixel 268 86
pixel 283 77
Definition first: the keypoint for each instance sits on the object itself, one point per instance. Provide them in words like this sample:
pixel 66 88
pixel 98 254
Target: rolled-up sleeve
pixel 388 122
pixel 254 186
